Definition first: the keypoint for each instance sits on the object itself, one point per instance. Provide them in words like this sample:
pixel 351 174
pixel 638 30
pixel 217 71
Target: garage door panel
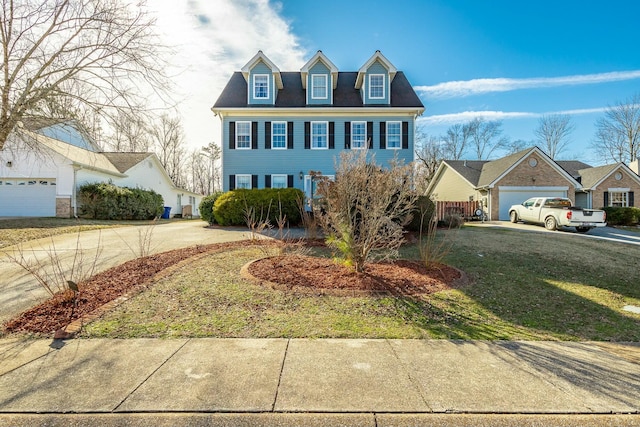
pixel 515 196
pixel 27 197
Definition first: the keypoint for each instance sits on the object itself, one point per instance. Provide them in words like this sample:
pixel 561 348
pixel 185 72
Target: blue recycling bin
pixel 167 212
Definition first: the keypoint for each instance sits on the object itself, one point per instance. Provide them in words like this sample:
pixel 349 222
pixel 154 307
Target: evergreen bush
pixel 267 204
pixel 108 201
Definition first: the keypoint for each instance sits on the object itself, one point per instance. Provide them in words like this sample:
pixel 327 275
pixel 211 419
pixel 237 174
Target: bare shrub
pixel 433 249
pixel 363 211
pixel 53 273
pixel 256 224
pixel 309 221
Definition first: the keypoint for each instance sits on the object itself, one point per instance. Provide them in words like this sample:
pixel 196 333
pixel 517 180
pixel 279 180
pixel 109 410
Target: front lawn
pixel 525 286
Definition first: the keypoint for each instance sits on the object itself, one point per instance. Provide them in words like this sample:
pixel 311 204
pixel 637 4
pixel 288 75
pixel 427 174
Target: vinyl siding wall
pixel 319 69
pixel 376 68
pixel 262 161
pixel 262 68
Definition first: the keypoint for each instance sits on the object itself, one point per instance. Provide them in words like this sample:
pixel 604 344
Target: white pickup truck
pixel 555 212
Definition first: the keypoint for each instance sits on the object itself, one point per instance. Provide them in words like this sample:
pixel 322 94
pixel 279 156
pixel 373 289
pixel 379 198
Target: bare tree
pixel 64 56
pixel 618 132
pixel 429 154
pixel 131 134
pixel 516 145
pixel 553 133
pixel 485 137
pixel 456 140
pixel 364 209
pixel 212 154
pixel 169 145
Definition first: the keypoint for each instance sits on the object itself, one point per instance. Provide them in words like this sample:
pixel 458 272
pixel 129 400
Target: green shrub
pixel 622 216
pixel 267 203
pixel 206 207
pixel 108 201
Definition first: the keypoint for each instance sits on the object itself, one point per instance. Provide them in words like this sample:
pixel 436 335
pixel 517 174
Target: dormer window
pixel 319 86
pixel 261 86
pixel 376 86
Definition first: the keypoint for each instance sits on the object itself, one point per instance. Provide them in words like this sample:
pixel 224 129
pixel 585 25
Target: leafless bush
pixel 309 221
pixel 256 224
pixel 432 249
pixel 143 246
pixel 53 273
pixel 363 211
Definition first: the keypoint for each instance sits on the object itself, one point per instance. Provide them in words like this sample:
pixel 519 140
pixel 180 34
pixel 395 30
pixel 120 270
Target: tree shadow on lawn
pixel 517 294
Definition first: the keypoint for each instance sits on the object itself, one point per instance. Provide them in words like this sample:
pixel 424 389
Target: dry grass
pixel 14 231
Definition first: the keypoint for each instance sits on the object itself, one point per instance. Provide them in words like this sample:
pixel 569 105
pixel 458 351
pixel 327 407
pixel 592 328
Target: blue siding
pixel 262 68
pixel 319 69
pixel 376 68
pixel 262 161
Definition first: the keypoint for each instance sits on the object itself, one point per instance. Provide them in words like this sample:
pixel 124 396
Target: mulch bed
pixel 59 311
pixel 293 272
pixel 325 276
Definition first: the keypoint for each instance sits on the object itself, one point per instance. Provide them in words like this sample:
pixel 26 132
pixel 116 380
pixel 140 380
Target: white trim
pixel 279 175
pixel 238 134
pixel 326 86
pixel 286 136
pixel 365 144
pixel 243 175
pixel 382 111
pixel 384 89
pixel 311 134
pixel 619 190
pixel 386 135
pixel 266 76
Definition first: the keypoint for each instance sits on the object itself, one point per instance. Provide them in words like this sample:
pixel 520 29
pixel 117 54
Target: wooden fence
pixel 465 210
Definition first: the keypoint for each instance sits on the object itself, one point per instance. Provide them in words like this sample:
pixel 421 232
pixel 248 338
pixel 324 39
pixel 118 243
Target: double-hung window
pixel 319 135
pixel 279 135
pixel 358 134
pixel 261 86
pixel 394 135
pixel 243 181
pixel 243 135
pixel 319 86
pixel 376 86
pixel 619 198
pixel 278 181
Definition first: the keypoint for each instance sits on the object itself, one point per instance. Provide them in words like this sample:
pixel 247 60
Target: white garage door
pixel 515 195
pixel 27 197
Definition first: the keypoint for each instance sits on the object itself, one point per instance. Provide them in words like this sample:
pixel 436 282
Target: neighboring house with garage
pixel 510 180
pixel 278 126
pixel 40 175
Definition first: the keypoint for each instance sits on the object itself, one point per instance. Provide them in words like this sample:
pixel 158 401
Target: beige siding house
pixel 510 180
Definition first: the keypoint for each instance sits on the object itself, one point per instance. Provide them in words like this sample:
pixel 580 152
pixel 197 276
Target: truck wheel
pixel 550 223
pixel 582 229
pixel 513 216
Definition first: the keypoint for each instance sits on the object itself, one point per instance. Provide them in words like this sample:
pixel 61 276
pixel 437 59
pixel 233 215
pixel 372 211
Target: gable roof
pixel 260 56
pixel 592 177
pixel 468 169
pixel 125 161
pixel 377 56
pixel 573 167
pixel 319 57
pixel 292 95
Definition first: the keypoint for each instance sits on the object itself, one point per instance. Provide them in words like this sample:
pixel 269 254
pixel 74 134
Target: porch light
pixel 301 174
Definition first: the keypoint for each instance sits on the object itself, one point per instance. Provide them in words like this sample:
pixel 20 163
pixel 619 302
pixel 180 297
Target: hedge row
pixel 268 204
pixel 622 216
pixel 108 201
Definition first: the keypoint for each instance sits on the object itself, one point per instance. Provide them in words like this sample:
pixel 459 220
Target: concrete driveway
pixel 602 233
pixel 108 247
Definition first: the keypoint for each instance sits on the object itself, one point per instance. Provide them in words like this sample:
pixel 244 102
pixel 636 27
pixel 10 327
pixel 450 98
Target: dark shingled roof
pixel 573 167
pixel 292 95
pixel 125 161
pixel 469 169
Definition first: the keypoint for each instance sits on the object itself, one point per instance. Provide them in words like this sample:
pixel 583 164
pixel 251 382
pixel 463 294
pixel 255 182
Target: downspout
pixel 74 191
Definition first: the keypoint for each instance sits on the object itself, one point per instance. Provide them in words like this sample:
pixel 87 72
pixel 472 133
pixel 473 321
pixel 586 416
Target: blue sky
pixel 506 60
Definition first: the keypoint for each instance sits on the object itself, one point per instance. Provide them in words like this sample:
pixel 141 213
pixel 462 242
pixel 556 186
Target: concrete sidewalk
pixel 318 382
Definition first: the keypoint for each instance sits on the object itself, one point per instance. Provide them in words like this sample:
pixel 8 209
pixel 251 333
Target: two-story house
pixel 279 126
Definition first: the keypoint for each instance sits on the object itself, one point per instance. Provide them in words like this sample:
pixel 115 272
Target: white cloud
pixel 466 116
pixel 212 39
pixel 464 88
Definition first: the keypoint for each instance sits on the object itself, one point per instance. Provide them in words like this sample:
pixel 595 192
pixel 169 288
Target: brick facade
pixel 611 182
pixel 63 207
